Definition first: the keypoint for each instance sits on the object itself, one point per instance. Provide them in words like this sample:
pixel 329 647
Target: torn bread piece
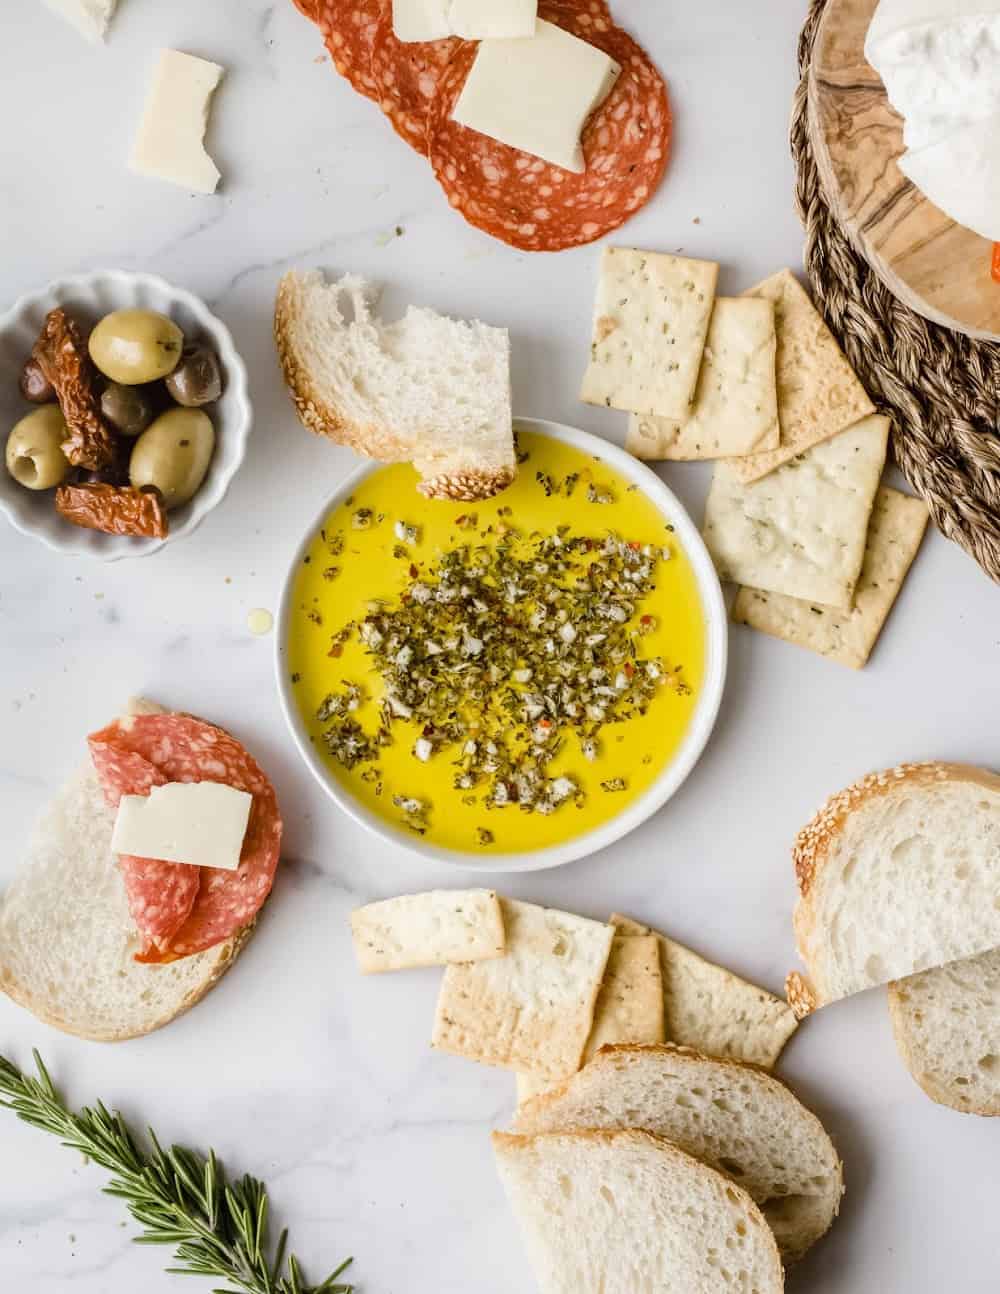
pixel 800 531
pixel 735 408
pixel 726 1113
pixel 431 929
pixel 532 1009
pixel 170 144
pixel 623 1212
pixel 629 1006
pixel 425 389
pixel 651 318
pixel 895 532
pixel 818 392
pixel 897 874
pixel 947 1027
pixel 711 1009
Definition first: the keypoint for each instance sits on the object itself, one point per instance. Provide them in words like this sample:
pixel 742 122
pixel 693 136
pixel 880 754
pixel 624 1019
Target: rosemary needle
pixel 178 1197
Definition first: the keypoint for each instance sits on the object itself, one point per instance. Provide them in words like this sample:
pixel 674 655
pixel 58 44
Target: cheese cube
pixel 414 20
pixel 536 94
pixel 201 823
pixel 89 17
pixel 170 144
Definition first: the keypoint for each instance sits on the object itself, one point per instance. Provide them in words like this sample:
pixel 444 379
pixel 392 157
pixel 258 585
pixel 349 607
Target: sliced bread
pixel 623 1212
pixel 947 1027
pixel 898 874
pixel 426 389
pixel 731 1116
pixel 66 936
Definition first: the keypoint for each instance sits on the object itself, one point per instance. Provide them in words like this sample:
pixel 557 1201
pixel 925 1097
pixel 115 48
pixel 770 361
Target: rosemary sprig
pixel 180 1198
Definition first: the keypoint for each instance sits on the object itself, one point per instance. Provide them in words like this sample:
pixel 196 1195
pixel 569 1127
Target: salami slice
pixel 532 204
pixel 349 28
pixel 407 75
pixel 160 894
pixel 184 749
pixel 583 15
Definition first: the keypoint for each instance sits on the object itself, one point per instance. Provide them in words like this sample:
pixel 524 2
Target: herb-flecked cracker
pixel 711 1009
pixel 894 534
pixel 802 529
pixel 429 929
pixel 629 1006
pixel 735 408
pixel 651 318
pixel 532 1009
pixel 818 393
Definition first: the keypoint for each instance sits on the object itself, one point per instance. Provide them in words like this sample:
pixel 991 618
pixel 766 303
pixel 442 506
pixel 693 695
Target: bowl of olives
pixel 124 413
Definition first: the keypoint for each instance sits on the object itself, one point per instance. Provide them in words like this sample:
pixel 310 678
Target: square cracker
pixel 818 393
pixel 429 929
pixel 802 529
pixel 532 1009
pixel 650 321
pixel 894 534
pixel 629 1006
pixel 711 1009
pixel 735 408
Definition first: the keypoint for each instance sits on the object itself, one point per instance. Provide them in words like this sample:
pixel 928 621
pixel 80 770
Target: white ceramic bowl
pixel 91 296
pixel 699 729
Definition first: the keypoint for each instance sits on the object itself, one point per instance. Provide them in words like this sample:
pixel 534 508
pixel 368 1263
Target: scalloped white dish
pixel 90 296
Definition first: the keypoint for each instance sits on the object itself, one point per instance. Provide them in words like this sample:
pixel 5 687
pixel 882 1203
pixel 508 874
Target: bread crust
pixel 323 419
pixel 811 850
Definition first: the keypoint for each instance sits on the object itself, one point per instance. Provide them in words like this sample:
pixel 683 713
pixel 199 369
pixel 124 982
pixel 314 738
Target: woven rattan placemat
pixel 941 388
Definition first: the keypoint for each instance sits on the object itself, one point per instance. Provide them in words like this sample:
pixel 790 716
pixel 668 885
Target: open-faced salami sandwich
pixel 107 933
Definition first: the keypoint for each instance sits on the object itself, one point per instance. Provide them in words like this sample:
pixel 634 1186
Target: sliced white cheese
pixel 414 20
pixel 89 17
pixel 536 94
pixel 493 19
pixel 421 19
pixel 961 175
pixel 170 143
pixel 201 823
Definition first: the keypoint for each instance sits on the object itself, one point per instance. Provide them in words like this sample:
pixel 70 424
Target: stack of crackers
pixel 539 991
pixel 796 514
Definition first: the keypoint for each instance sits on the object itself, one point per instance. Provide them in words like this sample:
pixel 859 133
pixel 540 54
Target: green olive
pixel 128 408
pixel 135 346
pixel 34 449
pixel 173 455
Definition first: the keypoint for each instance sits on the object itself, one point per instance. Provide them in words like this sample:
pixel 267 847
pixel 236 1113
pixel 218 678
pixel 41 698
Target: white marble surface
pixel 295 1067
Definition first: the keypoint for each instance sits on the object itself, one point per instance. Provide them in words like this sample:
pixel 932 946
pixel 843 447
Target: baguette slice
pixel 624 1212
pixel 426 389
pixel 898 874
pixel 947 1027
pixel 731 1116
pixel 67 939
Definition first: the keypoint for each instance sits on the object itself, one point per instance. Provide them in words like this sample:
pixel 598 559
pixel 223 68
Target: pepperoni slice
pixel 160 894
pixel 349 28
pixel 407 75
pixel 184 749
pixel 532 204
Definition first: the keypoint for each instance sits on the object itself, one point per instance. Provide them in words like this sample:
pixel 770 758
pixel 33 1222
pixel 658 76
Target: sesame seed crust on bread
pixel 853 866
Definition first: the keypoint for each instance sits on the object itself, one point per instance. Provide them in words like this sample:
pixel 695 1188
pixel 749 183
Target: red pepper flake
pixel 995 266
pixel 635 546
pixel 629 669
pixel 336 650
pixel 413 571
pixel 646 621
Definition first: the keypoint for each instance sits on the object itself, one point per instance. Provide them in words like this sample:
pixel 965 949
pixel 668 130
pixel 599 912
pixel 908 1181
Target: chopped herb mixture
pixel 497 656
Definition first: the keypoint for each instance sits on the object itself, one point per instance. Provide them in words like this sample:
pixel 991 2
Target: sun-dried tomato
pixel 114 509
pixel 62 356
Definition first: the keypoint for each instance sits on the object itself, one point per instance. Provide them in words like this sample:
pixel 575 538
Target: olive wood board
pixel 936 267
